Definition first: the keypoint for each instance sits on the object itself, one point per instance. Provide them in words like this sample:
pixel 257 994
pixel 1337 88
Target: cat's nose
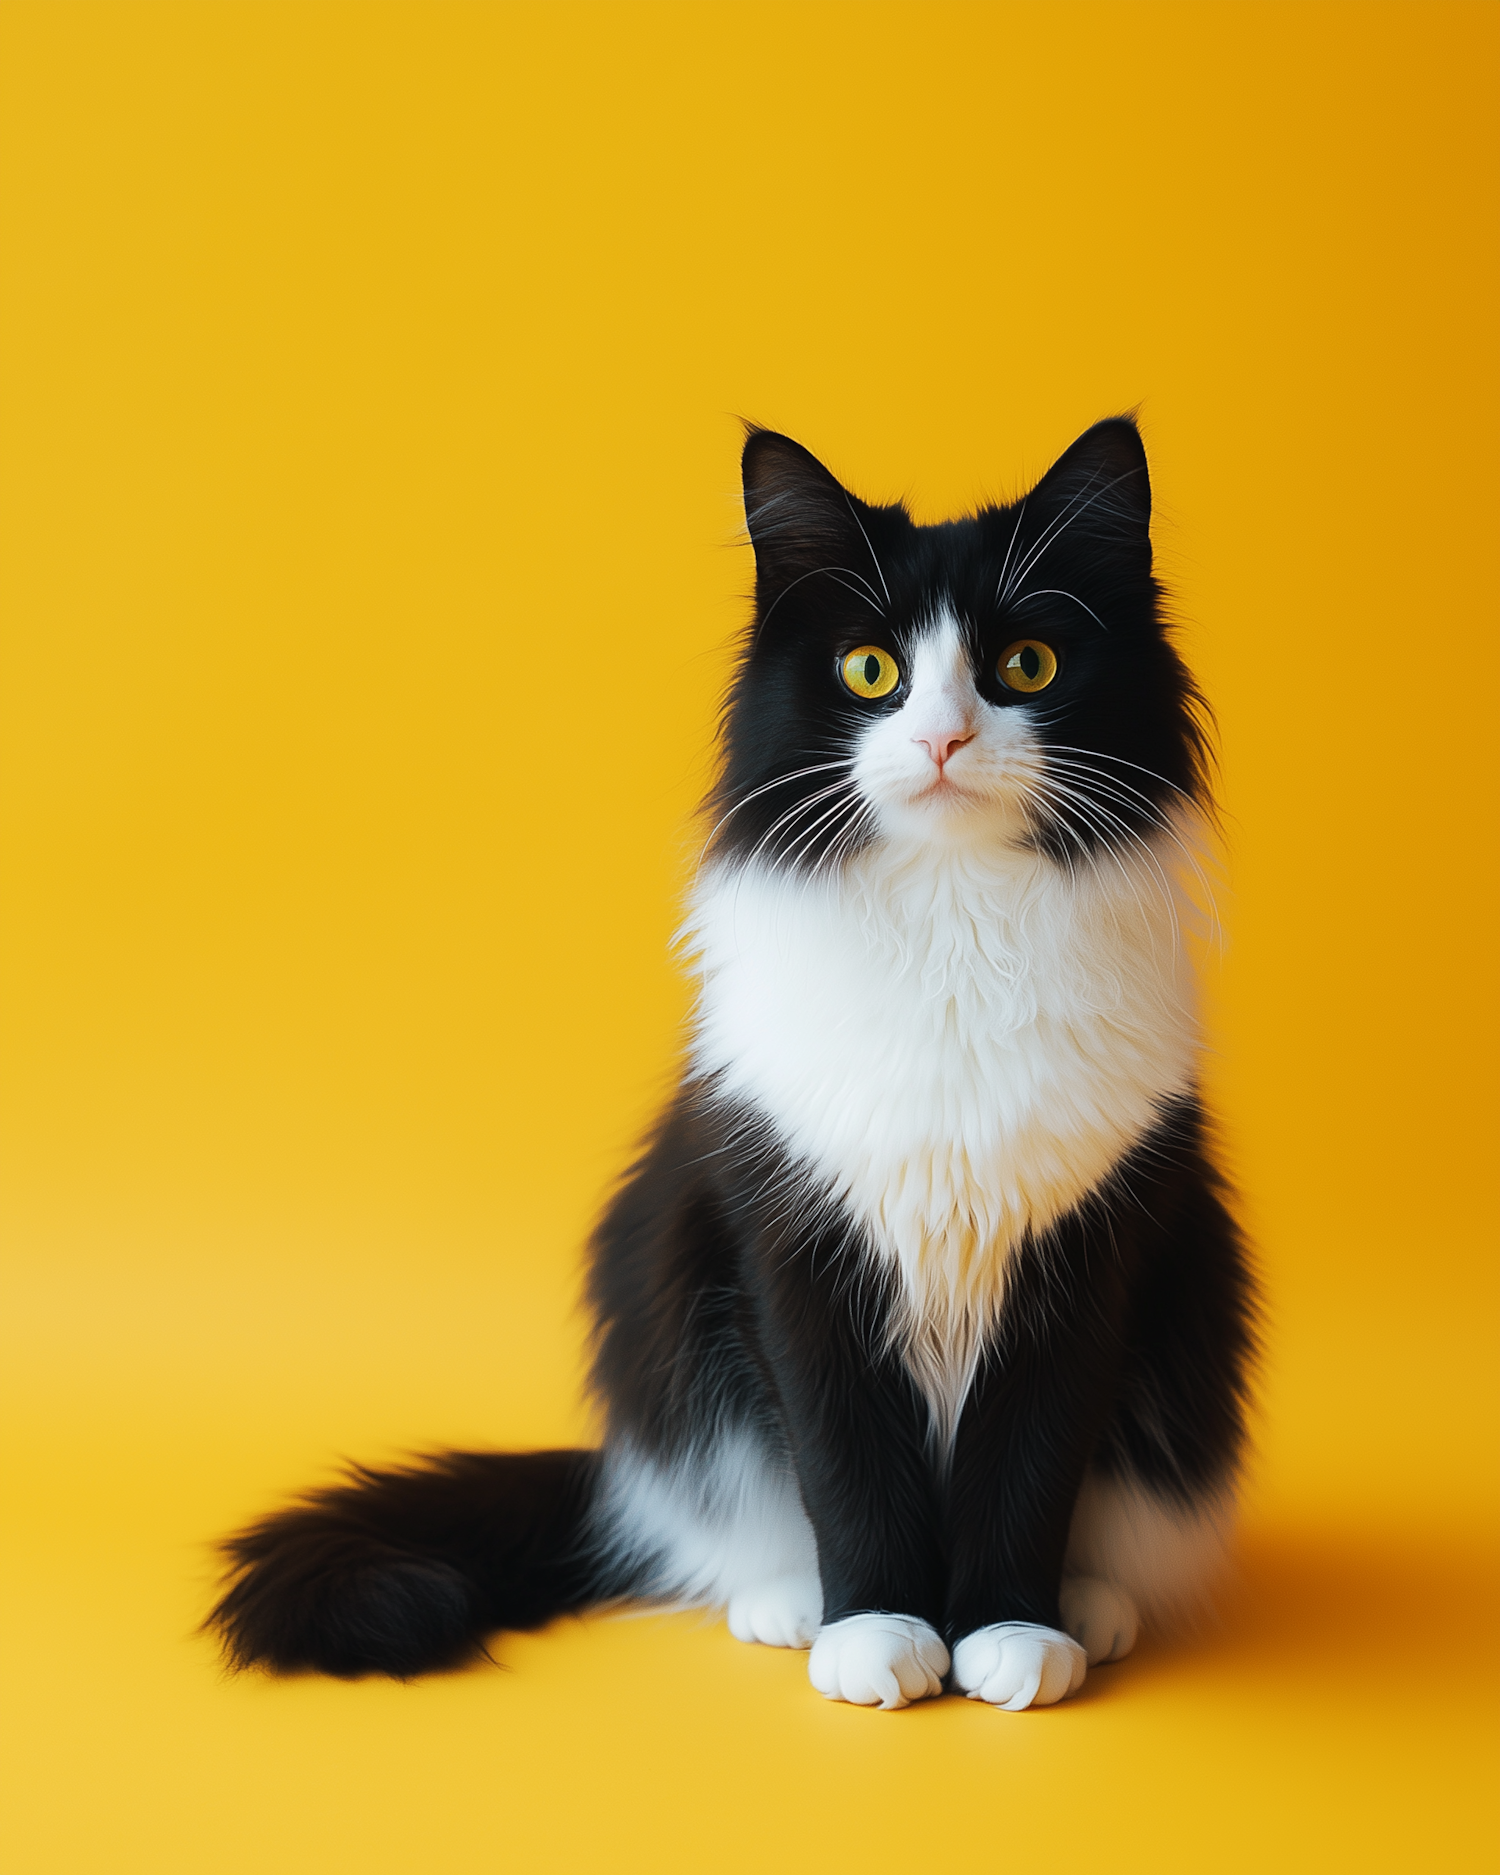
pixel 940 743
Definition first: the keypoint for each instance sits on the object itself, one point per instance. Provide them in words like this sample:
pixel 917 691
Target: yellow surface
pixel 370 383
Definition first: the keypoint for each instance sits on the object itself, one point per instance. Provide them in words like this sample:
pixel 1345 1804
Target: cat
pixel 923 1328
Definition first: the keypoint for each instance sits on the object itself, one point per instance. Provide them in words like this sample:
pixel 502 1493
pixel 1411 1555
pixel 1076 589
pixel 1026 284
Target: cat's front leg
pixel 1009 1528
pixel 1032 1418
pixel 856 1428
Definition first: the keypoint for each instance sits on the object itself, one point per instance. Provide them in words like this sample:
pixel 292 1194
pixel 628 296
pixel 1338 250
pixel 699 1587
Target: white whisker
pixel 873 555
pixel 1064 521
pixel 1041 592
pixel 1009 550
pixel 1094 814
pixel 791 586
pixel 777 781
pixel 1093 818
pixel 1132 798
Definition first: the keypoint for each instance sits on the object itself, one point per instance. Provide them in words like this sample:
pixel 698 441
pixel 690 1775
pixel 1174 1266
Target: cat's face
pixel 1002 679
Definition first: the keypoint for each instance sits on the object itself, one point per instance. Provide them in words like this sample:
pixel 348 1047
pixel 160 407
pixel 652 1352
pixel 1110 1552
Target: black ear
pixel 1103 485
pixel 802 520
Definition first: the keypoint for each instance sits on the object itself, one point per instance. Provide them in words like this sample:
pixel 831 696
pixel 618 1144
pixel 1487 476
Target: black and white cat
pixel 921 1321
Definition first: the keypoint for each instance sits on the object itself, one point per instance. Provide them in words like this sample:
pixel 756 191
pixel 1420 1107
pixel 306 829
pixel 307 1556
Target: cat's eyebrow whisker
pixel 793 584
pixel 873 555
pixel 1053 527
pixel 850 570
pixel 833 574
pixel 874 596
pixel 869 594
pixel 1064 521
pixel 1009 550
pixel 1041 592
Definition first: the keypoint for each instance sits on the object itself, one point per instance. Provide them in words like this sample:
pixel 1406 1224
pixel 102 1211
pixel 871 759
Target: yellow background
pixel 371 377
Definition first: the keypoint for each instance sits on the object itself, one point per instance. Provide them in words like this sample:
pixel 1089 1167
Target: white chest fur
pixel 958 1046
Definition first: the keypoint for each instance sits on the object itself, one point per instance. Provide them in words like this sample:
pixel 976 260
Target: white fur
pixel 725 1525
pixel 1131 1557
pixel 955 1039
pixel 1100 1616
pixel 954 1036
pixel 785 1612
pixel 878 1660
pixel 1016 1664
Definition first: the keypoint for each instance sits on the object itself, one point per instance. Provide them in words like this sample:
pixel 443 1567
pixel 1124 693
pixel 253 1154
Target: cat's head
pixel 1005 678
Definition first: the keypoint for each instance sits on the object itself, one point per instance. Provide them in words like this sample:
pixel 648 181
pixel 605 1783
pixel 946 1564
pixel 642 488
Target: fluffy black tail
pixel 407 1571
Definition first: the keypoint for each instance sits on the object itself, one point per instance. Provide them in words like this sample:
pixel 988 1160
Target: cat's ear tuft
pixel 801 519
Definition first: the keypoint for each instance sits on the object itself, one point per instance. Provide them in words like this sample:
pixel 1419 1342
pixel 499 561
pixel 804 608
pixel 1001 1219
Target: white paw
pixel 785 1612
pixel 878 1660
pixel 1100 1616
pixel 1016 1664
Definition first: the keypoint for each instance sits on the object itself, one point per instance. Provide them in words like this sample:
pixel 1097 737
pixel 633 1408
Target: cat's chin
pixel 948 815
pixel 945 796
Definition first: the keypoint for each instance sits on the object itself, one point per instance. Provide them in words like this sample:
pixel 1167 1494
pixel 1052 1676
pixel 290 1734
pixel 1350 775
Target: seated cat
pixel 921 1325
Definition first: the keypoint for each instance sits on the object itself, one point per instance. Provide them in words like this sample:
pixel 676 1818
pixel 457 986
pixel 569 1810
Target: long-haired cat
pixel 922 1327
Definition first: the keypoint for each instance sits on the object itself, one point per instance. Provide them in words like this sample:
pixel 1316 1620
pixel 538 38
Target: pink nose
pixel 941 743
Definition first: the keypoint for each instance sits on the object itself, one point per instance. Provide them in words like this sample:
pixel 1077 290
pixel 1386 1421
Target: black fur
pixel 1126 1340
pixel 1070 563
pixel 720 1302
pixel 406 1571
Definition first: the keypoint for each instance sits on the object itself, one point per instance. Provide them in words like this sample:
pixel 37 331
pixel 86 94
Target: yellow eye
pixel 870 672
pixel 1028 666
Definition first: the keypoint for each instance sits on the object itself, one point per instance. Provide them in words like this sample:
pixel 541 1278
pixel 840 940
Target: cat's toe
pixel 1016 1664
pixel 1100 1616
pixel 878 1660
pixel 782 1613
